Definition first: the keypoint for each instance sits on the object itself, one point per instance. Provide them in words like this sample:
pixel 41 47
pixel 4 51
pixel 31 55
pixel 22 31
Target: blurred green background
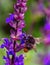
pixel 6 7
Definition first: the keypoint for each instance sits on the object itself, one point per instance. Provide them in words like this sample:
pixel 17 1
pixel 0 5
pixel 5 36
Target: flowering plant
pixel 16 21
pixel 26 42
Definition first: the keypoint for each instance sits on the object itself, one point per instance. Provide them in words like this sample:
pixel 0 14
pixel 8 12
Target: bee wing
pixel 38 40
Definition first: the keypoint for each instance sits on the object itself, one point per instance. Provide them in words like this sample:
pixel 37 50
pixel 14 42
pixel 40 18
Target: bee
pixel 29 44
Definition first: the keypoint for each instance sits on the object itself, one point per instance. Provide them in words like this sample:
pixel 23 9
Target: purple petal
pixel 4 57
pixel 2 46
pixel 7 20
pixel 47 26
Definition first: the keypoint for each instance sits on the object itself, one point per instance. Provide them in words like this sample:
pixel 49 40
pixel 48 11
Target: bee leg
pixel 24 55
pixel 34 47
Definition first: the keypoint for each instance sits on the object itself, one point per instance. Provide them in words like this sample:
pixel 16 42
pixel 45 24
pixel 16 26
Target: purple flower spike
pixel 16 21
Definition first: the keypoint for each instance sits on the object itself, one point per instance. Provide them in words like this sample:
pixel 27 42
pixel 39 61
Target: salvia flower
pixel 6 43
pixel 18 60
pixel 10 18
